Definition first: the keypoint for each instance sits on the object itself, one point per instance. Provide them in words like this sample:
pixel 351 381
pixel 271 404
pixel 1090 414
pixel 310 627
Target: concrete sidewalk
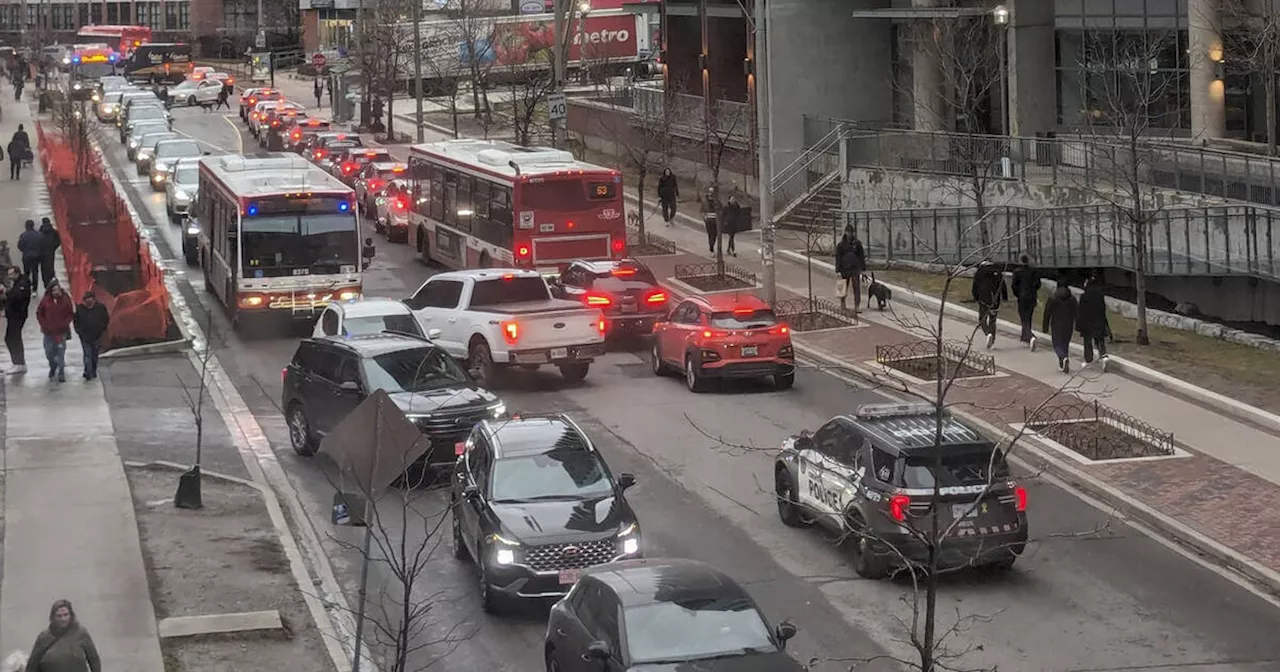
pixel 69 529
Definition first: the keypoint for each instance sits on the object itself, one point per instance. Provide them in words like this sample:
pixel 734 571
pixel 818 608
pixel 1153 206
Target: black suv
pixel 330 376
pixel 534 504
pixel 873 476
pixel 625 290
pixel 663 615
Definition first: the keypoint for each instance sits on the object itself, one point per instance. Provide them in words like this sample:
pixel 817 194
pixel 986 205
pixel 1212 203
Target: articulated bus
pixel 480 203
pixel 278 236
pixel 124 39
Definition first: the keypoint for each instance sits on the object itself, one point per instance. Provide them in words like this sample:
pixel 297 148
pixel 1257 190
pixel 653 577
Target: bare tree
pixel 476 34
pixel 202 355
pixel 641 137
pixel 1251 29
pixel 530 86
pixel 725 121
pixel 385 51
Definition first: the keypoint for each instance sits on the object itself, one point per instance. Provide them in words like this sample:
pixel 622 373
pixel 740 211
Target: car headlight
pixel 498 410
pixel 158 177
pixel 505 556
pixel 97 98
pixel 631 546
pixel 193 229
pixel 504 549
pixel 76 86
pixel 133 144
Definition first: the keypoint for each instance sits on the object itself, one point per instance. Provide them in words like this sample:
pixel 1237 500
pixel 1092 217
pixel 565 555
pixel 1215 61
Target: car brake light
pixel 510 332
pixel 623 272
pixel 1020 497
pixel 898 506
pixel 597 300
pixel 781 329
pixel 656 297
pixel 375 184
pixel 522 251
pixel 296 135
pixel 284 373
pixel 707 333
pixel 346 168
pixel 619 245
pixel 401 204
pixel 743 311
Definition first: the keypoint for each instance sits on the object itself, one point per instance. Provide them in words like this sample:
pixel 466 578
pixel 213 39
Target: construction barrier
pixel 101 246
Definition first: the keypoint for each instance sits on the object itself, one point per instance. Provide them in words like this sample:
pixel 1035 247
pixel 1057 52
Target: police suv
pixel 873 477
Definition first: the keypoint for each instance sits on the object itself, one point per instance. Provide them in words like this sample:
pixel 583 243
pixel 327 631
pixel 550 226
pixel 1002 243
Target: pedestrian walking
pixel 29 245
pixel 1060 322
pixel 17 306
pixel 368 252
pixel 1092 321
pixel 731 221
pixel 17 88
pixel 19 148
pixel 851 263
pixel 1026 290
pixel 318 89
pixel 710 210
pixel 222 99
pixel 50 241
pixel 989 290
pixel 65 646
pixel 668 195
pixel 54 314
pixel 91 322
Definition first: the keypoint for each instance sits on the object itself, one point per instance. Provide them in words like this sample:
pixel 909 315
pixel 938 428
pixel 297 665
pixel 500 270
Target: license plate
pixel 750 350
pixel 534 358
pixel 959 511
pixel 628 309
pixel 559 353
pixel 568 577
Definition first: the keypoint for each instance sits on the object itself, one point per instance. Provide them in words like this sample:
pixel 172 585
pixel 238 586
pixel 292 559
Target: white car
pixel 167 154
pixel 391 211
pixel 496 318
pixel 257 120
pixel 366 316
pixel 195 92
pixel 181 188
pixel 199 72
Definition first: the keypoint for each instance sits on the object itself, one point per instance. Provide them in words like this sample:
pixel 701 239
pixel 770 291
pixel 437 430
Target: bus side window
pixel 465 211
pixel 437 193
pixel 481 197
pixel 450 197
pixel 500 206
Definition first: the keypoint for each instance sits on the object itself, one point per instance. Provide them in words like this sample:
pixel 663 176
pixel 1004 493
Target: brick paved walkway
pixel 1205 488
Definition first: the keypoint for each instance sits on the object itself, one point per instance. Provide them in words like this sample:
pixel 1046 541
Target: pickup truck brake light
pixel 601 326
pixel 511 332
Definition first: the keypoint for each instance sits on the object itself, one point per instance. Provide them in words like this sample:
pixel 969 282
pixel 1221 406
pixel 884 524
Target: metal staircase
pixel 809 187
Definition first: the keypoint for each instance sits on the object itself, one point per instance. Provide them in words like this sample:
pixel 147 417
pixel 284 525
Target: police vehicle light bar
pixel 895 410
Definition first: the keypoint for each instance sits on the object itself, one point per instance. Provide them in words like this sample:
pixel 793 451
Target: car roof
pixel 911 429
pixel 488 273
pixel 376 344
pixel 609 265
pixel 729 302
pixel 521 436
pixel 653 580
pixel 370 306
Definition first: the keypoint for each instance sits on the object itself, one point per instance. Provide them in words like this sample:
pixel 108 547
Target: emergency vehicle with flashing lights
pixel 495 319
pixel 723 337
pixel 878 476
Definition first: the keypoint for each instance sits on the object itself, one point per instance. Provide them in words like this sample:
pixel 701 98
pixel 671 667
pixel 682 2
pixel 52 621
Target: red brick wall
pixel 206 18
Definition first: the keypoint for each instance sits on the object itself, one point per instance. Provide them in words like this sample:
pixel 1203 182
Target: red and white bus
pixel 277 236
pixel 124 39
pixel 479 203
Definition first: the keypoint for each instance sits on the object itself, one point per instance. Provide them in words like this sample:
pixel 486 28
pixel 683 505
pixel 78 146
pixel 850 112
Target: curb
pixel 147 349
pixel 204 473
pixel 1211 400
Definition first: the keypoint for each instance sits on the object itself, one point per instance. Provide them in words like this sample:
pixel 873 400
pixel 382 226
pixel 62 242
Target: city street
pixel 1092 593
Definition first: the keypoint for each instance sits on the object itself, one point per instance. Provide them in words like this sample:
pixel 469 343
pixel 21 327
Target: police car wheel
pixel 1004 564
pixel 868 564
pixel 788 508
pixel 459 547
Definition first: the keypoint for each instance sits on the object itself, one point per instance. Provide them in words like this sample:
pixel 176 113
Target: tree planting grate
pixel 709 278
pixel 812 314
pixel 926 361
pixel 1098 432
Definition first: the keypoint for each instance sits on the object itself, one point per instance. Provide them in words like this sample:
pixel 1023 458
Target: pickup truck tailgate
pixel 554 324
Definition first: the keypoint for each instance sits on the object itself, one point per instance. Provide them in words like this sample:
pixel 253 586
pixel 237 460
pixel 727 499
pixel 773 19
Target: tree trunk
pixel 719 246
pixel 1271 111
pixel 1140 282
pixel 644 238
pixel 391 103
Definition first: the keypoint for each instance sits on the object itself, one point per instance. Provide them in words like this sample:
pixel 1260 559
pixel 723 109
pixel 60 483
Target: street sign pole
pixel 764 157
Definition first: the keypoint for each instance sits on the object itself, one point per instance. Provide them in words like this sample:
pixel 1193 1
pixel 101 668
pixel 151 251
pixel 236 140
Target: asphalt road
pixel 1092 593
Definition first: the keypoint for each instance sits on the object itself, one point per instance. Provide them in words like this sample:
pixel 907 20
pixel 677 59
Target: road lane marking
pixel 235 129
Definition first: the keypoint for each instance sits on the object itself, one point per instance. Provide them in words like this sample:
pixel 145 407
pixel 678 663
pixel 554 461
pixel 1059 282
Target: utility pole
pixel 417 66
pixel 764 155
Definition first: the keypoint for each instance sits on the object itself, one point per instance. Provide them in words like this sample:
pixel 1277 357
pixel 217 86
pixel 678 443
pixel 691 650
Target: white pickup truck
pixel 496 318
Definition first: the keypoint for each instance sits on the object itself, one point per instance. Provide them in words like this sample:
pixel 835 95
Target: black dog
pixel 877 291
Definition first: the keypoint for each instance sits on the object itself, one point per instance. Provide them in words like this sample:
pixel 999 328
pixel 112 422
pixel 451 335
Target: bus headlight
pixel 348 294
pixel 251 301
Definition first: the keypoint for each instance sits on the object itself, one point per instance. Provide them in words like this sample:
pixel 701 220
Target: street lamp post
pixel 584 8
pixel 1001 17
pixel 764 153
pixel 417 67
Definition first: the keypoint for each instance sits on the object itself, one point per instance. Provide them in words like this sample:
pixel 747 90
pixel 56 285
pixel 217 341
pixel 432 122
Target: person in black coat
pixel 29 245
pixel 851 263
pixel 710 211
pixel 1026 290
pixel 1092 321
pixel 50 241
pixel 668 194
pixel 91 321
pixel 19 147
pixel 731 221
pixel 17 306
pixel 1060 313
pixel 989 290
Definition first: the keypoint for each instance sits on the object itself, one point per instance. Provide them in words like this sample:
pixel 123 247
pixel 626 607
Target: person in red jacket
pixel 55 314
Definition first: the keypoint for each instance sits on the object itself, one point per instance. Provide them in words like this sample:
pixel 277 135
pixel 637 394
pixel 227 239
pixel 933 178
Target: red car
pixel 624 290
pixel 724 336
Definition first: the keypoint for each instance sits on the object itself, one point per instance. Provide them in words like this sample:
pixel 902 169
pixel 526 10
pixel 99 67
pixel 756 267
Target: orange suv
pixel 724 336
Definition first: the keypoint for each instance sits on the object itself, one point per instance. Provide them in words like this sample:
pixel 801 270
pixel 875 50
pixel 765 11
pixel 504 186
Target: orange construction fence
pixel 98 236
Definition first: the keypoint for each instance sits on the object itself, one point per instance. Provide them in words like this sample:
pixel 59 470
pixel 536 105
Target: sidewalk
pixel 70 530
pixel 1219 495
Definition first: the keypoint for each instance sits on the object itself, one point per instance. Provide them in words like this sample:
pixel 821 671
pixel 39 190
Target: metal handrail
pixel 810 153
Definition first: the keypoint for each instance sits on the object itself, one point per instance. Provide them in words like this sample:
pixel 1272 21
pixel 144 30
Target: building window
pixel 176 16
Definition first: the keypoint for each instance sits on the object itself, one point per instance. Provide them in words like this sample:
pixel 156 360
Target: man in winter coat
pixel 91 325
pixel 1026 290
pixel 1060 321
pixel 30 245
pixel 710 210
pixel 19 146
pixel 668 194
pixel 65 646
pixel 17 306
pixel 731 221
pixel 55 313
pixel 989 290
pixel 1092 321
pixel 851 263
pixel 50 241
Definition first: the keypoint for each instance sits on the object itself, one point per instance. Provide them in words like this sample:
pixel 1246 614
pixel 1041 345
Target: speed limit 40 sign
pixel 557 106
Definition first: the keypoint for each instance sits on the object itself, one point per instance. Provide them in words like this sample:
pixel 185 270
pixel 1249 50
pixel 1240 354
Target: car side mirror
pixel 433 334
pixel 785 631
pixel 626 481
pixel 471 493
pixel 350 386
pixel 597 651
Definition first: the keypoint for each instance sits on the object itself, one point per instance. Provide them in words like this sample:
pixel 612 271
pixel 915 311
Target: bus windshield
pixel 279 244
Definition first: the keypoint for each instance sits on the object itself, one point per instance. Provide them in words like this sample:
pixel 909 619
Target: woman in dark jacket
pixel 989 290
pixel 17 306
pixel 64 646
pixel 731 222
pixel 1060 321
pixel 851 263
pixel 668 194
pixel 1092 321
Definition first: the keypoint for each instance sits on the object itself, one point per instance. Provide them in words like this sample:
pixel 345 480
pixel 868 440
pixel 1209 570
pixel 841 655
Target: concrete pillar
pixel 928 100
pixel 1208 102
pixel 1032 77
